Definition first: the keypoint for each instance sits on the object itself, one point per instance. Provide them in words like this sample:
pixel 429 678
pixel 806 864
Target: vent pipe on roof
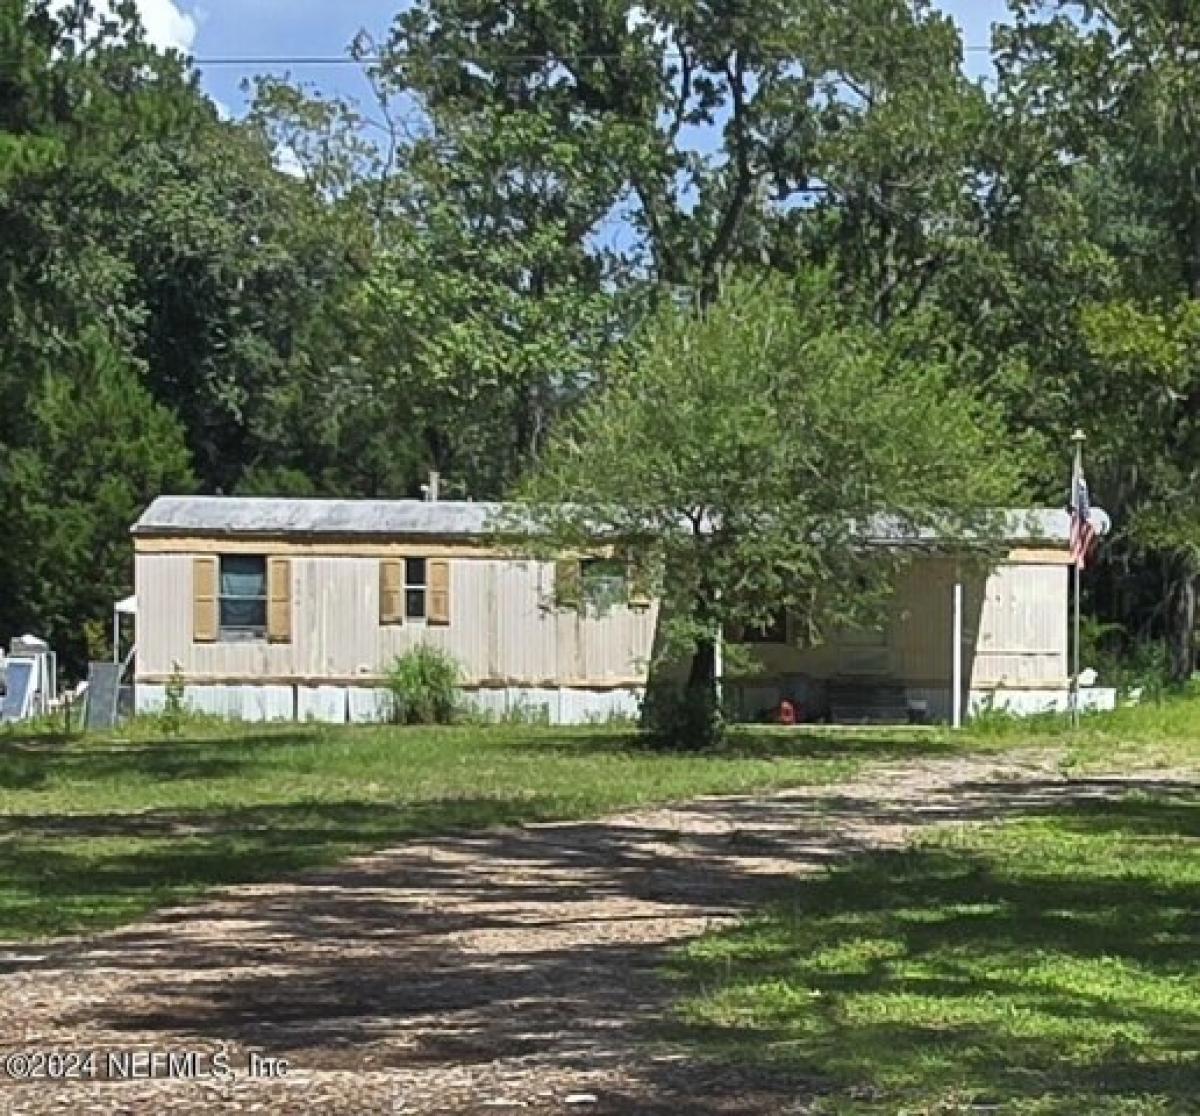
pixel 432 490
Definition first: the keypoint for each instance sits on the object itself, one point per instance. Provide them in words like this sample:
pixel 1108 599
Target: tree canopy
pixel 747 452
pixel 330 298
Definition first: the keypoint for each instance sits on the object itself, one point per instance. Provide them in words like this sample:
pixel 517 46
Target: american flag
pixel 1083 534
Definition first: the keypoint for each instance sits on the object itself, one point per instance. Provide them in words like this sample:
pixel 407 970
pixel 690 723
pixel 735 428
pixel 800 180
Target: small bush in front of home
pixel 424 685
pixel 174 711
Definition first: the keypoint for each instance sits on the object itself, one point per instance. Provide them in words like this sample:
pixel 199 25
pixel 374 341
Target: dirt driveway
pixel 514 971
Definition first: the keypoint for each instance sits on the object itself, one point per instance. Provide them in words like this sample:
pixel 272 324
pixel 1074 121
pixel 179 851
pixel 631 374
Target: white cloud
pixel 637 17
pixel 167 25
pixel 288 161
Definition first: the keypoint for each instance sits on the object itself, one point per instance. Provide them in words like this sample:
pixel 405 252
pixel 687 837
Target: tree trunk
pixel 888 278
pixel 698 724
pixel 1181 622
pixel 702 678
pixel 1192 248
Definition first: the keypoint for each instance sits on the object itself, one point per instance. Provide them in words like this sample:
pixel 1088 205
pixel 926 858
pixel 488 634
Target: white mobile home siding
pixel 503 628
pixel 1015 640
pixel 1023 631
pixel 1015 630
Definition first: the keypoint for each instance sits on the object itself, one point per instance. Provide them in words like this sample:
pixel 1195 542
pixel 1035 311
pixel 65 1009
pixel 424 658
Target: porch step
pixel 868 701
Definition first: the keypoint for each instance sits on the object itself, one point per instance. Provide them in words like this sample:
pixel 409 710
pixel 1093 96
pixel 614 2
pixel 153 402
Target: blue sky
pixel 278 28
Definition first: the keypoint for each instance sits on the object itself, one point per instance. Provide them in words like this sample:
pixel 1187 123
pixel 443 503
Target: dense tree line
pixel 458 265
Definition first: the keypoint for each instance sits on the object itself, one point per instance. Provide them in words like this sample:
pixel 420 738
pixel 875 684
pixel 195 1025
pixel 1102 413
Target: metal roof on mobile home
pixel 265 516
pixel 238 515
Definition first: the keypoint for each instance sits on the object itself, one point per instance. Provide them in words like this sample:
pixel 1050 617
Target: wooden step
pixel 868 701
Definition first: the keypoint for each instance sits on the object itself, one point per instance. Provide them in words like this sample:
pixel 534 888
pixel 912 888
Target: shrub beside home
pixel 423 685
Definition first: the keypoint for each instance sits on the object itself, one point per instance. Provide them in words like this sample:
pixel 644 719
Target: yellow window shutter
pixel 438 608
pixel 206 621
pixel 391 591
pixel 568 583
pixel 279 600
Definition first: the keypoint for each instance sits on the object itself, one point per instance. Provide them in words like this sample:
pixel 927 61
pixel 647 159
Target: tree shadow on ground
pixel 764 742
pixel 63 873
pixel 33 764
pixel 545 946
pixel 1050 963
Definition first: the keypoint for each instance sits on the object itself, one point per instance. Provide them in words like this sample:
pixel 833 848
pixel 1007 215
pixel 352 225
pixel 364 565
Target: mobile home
pixel 269 609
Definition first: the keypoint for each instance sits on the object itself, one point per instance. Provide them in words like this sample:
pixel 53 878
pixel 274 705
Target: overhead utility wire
pixel 250 61
pixel 374 60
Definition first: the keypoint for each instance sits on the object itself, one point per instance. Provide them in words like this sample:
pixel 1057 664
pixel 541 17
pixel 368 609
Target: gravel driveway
pixel 512 971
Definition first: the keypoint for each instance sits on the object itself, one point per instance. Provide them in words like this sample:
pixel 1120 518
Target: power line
pixel 248 62
pixel 375 60
pixel 299 61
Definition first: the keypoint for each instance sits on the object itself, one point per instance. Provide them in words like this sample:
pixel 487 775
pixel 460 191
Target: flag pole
pixel 1078 439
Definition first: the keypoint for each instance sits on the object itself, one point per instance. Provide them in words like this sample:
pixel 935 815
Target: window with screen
pixel 415 589
pixel 243 597
pixel 603 582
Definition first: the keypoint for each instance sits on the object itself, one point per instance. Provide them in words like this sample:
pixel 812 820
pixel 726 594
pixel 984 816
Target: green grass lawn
pixel 1047 965
pixel 1157 735
pixel 94 833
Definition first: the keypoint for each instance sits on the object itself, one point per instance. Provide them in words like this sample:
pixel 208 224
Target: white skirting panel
pixel 369 707
pixel 1014 702
pixel 757 703
pixel 581 707
pixel 326 704
pixel 556 707
pixel 533 704
pixel 1029 703
pixel 236 703
pixel 492 704
pixel 366 705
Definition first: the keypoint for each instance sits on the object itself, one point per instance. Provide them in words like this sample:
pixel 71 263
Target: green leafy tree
pixel 719 133
pixel 1111 91
pixel 463 323
pixel 99 449
pixel 145 214
pixel 1144 361
pixel 900 147
pixel 542 172
pixel 110 248
pixel 742 452
pixel 229 261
